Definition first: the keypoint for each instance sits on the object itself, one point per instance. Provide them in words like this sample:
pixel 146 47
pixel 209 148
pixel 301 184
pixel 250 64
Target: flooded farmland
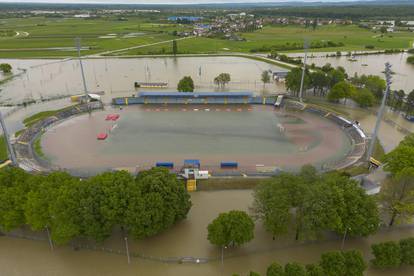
pixel 116 76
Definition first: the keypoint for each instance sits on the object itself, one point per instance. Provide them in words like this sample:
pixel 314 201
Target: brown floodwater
pixel 372 65
pixel 116 76
pixel 187 238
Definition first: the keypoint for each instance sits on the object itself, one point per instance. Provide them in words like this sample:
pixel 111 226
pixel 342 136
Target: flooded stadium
pixel 256 137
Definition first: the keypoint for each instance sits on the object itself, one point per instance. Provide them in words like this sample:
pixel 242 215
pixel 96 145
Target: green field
pixel 353 38
pixel 36 36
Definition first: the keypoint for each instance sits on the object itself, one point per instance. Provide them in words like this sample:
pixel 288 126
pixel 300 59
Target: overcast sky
pixel 167 1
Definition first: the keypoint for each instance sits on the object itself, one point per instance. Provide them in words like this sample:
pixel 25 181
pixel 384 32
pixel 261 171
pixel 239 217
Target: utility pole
pixel 127 250
pixel 380 114
pixel 303 70
pixel 10 148
pixel 78 46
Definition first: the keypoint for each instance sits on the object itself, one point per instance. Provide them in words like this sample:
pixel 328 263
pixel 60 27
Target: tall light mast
pixel 78 46
pixel 306 45
pixel 10 148
pixel 388 76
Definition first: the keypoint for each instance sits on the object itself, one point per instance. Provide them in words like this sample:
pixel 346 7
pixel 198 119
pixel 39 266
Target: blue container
pixel 169 165
pixel 229 165
pixel 195 163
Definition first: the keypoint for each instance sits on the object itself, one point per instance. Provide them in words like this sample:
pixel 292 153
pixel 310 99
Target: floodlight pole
pixel 10 148
pixel 303 71
pixel 380 114
pixel 78 46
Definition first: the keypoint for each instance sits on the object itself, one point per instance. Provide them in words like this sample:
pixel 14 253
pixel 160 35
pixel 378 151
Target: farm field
pixel 353 38
pixel 54 37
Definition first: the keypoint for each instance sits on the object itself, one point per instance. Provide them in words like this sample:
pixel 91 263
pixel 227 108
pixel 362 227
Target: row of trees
pixel 350 263
pixel 70 207
pixel 398 100
pixel 335 84
pixel 313 203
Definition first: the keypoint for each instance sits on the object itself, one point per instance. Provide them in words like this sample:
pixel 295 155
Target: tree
pixel 383 29
pixel 341 90
pixel 293 80
pixel 410 102
pixel 5 68
pixel 397 196
pixel 186 84
pixel 222 79
pixel 319 81
pixel 335 76
pixel 408 141
pixel 174 47
pixel 354 263
pixel 265 77
pixel 294 269
pixel 314 270
pixel 375 84
pixel 359 215
pixel 386 255
pixel 162 200
pixel 275 269
pixel 231 229
pixel 407 251
pixel 399 158
pixel 363 97
pixel 333 263
pixel 14 186
pixel 410 59
pixel 397 99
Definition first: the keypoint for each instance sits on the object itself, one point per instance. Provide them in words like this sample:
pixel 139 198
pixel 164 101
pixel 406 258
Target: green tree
pixel 408 141
pixel 294 269
pixel 335 76
pixel 333 263
pixel 410 59
pixel 314 270
pixel 162 200
pixel 319 81
pixel 40 200
pixel 265 77
pixel 386 255
pixel 375 84
pixel 341 90
pixel 14 187
pixel 410 103
pixel 397 196
pixel 275 269
pixel 231 229
pixel 5 68
pixel 354 263
pixel 174 47
pixel 359 215
pixel 398 159
pixel 363 97
pixel 293 80
pixel 186 84
pixel 222 79
pixel 407 251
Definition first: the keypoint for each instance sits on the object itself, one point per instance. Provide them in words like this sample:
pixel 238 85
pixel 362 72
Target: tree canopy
pixel 5 68
pixel 222 79
pixel 186 84
pixel 91 208
pixel 231 229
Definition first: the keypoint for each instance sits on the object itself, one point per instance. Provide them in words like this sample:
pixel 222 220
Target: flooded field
pixel 188 238
pixel 374 65
pixel 116 77
pixel 250 135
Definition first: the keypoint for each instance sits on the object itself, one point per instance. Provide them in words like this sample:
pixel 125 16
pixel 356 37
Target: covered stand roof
pixel 195 94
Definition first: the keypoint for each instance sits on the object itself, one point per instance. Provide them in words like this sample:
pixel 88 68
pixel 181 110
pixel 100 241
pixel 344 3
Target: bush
pixel 314 270
pixel 369 46
pixel 363 97
pixel 354 262
pixel 275 269
pixel 407 251
pixel 410 59
pixel 387 255
pixel 294 269
pixel 333 263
